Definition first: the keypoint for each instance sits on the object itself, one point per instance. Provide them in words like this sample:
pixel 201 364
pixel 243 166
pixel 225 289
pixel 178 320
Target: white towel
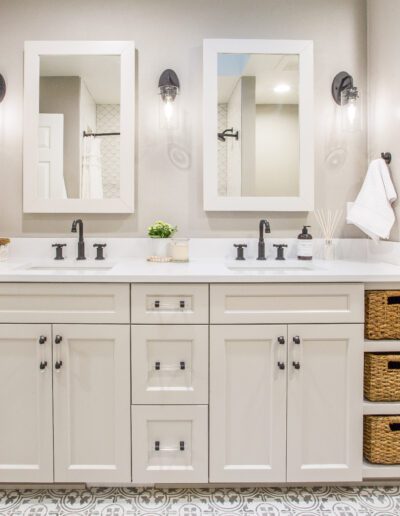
pixel 372 210
pixel 91 178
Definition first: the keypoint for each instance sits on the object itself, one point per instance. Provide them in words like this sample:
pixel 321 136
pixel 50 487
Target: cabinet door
pixel 248 403
pixel 91 403
pixel 26 429
pixel 325 374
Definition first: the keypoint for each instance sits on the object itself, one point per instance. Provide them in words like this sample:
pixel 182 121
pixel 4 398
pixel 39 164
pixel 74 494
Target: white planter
pixel 160 247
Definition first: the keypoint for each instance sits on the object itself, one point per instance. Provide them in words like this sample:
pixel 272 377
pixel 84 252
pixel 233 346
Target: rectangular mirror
pixel 258 125
pixel 79 127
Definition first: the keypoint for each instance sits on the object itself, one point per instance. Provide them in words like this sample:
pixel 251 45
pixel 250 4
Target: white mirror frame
pixel 33 51
pixel 305 200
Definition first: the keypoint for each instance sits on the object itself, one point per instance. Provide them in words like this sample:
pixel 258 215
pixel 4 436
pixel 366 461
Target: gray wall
pixel 169 33
pixel 384 87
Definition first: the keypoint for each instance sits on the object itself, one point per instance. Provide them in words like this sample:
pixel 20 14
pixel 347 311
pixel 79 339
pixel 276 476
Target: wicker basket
pixel 382 377
pixel 382 439
pixel 382 314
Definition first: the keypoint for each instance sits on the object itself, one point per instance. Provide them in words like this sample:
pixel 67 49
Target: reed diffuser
pixel 328 221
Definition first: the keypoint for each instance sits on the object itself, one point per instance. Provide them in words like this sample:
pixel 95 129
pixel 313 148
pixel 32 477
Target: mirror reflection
pixel 79 127
pixel 258 125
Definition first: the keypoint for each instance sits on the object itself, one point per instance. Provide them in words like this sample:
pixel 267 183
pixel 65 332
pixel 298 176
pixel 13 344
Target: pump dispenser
pixel 305 245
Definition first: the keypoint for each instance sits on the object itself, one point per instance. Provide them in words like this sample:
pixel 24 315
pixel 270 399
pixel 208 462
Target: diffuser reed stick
pixel 328 221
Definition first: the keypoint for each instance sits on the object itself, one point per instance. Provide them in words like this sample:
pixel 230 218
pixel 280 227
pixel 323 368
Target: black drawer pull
pixel 394 427
pixel 158 448
pixel 181 304
pixel 156 304
pixel 392 364
pixel 393 300
pixel 157 366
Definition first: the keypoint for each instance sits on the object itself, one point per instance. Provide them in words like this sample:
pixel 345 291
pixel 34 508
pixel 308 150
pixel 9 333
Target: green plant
pixel 161 229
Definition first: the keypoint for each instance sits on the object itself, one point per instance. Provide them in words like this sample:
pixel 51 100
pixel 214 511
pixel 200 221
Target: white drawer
pixel 170 304
pixel 170 444
pixel 170 364
pixel 64 303
pixel 287 303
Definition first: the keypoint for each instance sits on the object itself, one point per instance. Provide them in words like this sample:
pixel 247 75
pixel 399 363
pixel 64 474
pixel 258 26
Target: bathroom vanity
pixel 186 373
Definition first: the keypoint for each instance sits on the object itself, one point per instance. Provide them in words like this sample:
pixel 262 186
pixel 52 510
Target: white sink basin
pixel 70 266
pixel 272 266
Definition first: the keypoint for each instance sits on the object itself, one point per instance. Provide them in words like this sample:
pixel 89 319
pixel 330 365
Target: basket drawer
pixel 382 377
pixel 382 439
pixel 382 314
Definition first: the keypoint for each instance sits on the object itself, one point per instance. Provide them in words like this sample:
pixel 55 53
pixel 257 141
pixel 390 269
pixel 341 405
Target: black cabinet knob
pixel 42 339
pixel 296 339
pixel 58 365
pixel 281 365
pixel 43 365
pixel 281 340
pixel 58 339
pixel 296 365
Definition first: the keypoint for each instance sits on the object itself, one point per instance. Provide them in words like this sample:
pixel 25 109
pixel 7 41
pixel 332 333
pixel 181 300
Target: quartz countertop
pixel 197 271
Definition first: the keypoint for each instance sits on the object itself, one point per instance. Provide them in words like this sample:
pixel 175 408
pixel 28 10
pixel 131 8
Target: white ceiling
pixel 101 74
pixel 270 70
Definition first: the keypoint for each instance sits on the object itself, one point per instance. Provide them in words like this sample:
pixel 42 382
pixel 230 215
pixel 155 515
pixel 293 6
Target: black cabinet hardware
pixel 281 365
pixel 157 366
pixel 157 446
pixel 296 339
pixel 99 251
pixel 181 304
pixel 59 251
pixel 240 251
pixel 156 304
pixel 58 365
pixel 42 339
pixel 182 365
pixel 43 365
pixel 296 365
pixel 58 339
pixel 281 340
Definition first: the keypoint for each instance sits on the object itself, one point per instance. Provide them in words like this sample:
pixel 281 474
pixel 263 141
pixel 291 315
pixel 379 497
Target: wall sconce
pixel 347 96
pixel 169 89
pixel 2 88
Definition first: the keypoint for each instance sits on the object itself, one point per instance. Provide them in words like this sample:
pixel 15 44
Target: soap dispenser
pixel 305 245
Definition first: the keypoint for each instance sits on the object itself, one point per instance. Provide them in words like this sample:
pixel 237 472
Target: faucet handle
pixel 59 251
pixel 99 250
pixel 280 251
pixel 240 252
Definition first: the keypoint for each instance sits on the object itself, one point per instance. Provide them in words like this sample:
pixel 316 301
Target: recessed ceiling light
pixel 282 88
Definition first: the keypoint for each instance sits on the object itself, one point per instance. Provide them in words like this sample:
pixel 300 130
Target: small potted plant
pixel 160 233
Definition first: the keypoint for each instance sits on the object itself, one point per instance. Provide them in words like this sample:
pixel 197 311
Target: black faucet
pixel 263 227
pixel 81 242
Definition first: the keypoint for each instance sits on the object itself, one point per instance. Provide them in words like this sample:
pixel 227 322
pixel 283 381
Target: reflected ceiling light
pixel 282 88
pixel 169 88
pixel 347 96
pixel 2 88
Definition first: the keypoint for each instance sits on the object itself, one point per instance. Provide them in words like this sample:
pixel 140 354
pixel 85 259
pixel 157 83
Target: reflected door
pixel 51 157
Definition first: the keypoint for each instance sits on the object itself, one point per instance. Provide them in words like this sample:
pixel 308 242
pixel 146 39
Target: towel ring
pixel 387 157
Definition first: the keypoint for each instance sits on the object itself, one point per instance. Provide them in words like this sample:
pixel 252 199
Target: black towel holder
pixel 387 157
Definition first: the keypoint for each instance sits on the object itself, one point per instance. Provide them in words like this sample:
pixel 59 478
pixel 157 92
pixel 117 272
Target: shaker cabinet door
pixel 26 429
pixel 248 403
pixel 325 375
pixel 91 372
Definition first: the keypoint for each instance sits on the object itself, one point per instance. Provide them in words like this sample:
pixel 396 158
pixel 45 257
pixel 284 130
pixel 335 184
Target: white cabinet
pixel 324 431
pixel 170 444
pixel 26 429
pixel 91 403
pixel 301 423
pixel 248 403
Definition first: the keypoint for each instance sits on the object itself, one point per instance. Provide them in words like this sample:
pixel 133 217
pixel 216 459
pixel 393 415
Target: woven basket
pixel 382 439
pixel 381 377
pixel 382 314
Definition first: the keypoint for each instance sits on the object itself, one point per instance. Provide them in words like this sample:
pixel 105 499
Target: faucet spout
pixel 81 243
pixel 264 227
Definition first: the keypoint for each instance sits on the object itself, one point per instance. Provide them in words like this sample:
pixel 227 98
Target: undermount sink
pixel 272 266
pixel 58 266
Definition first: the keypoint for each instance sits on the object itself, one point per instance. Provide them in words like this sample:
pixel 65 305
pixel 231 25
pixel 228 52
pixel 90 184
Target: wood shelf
pixel 381 408
pixel 376 346
pixel 380 471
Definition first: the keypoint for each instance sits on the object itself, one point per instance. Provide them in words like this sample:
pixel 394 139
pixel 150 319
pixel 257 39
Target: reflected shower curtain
pixel 91 177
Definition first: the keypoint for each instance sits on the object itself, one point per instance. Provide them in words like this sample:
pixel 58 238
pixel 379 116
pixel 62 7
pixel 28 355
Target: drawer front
pixel 170 364
pixel 64 303
pixel 287 303
pixel 170 304
pixel 169 444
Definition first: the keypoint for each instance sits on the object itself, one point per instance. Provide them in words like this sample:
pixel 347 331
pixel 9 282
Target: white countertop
pixel 199 271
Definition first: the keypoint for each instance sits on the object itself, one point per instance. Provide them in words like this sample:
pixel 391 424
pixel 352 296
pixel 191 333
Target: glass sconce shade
pixel 347 96
pixel 169 89
pixel 2 88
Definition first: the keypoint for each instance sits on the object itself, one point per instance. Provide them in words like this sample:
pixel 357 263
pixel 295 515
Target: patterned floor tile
pixel 247 501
